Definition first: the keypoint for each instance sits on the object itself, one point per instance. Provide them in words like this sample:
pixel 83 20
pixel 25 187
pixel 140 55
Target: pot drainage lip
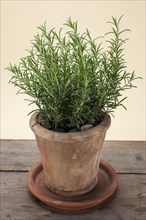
pixel 105 187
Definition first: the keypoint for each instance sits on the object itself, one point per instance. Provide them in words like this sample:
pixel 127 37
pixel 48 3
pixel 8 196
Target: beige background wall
pixel 19 20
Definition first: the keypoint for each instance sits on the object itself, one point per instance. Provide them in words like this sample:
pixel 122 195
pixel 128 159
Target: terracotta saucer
pixel 106 186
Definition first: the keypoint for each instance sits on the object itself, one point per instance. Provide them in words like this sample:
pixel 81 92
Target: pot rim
pixel 66 136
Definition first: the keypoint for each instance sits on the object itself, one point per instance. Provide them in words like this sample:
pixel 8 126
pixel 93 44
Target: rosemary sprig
pixel 70 78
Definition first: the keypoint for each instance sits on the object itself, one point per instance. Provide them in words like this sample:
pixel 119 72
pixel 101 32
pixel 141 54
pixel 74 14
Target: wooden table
pixel 128 158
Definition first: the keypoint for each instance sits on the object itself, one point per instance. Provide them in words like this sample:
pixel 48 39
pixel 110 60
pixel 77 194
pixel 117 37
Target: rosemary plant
pixel 71 79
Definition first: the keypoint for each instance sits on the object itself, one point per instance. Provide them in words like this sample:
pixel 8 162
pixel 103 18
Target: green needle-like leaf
pixel 70 78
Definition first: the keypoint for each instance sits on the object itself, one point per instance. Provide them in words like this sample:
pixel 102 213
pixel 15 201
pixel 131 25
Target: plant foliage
pixel 70 78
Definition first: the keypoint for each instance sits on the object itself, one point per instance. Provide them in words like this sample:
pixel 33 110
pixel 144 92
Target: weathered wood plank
pixel 125 156
pixel 17 155
pixel 18 204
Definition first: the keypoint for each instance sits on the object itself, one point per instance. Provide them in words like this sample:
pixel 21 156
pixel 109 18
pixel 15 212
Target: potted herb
pixel 75 85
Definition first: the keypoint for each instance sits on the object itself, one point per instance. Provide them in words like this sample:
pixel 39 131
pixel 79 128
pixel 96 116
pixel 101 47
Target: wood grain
pixel 128 203
pixel 125 156
pixel 19 204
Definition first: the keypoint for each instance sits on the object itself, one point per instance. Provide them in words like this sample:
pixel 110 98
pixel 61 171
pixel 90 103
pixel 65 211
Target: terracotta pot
pixel 70 160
